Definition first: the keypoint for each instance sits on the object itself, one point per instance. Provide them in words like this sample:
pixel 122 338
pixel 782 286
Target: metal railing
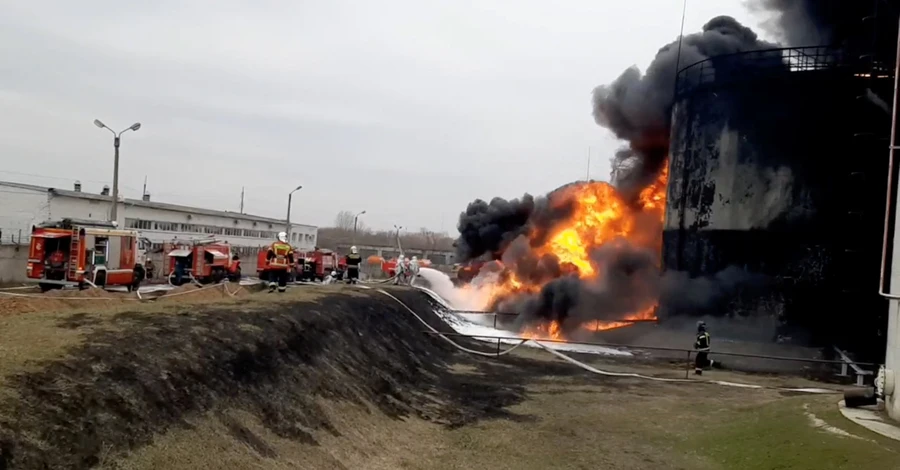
pixel 847 363
pixel 841 362
pixel 744 66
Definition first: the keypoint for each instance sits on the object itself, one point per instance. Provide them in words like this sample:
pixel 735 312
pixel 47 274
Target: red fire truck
pixel 74 252
pixel 206 261
pixel 316 264
pixel 308 265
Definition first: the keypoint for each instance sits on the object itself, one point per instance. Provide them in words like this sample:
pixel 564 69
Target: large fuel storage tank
pixel 778 165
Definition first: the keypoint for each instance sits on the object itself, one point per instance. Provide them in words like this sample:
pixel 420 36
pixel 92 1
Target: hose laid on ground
pixel 41 296
pixel 458 346
pixel 592 369
pixel 139 299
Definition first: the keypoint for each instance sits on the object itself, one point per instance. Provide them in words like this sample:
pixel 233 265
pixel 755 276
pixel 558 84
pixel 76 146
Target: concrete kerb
pixel 872 419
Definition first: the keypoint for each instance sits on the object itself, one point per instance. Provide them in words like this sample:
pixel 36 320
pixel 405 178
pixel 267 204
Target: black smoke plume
pixel 799 23
pixel 637 108
pixel 488 228
pixel 629 281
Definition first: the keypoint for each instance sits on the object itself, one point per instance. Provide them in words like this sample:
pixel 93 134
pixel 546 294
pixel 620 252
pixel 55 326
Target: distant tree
pixel 344 220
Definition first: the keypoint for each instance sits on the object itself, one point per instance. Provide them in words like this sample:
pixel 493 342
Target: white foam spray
pixel 474 297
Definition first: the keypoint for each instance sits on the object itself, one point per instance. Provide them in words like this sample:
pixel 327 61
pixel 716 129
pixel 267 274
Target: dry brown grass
pixel 577 422
pixel 43 329
pixel 569 419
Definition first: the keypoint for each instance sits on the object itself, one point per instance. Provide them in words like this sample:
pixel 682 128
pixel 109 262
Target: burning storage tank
pixel 778 163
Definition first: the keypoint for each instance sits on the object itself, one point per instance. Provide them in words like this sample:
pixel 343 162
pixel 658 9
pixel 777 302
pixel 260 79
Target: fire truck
pixel 263 269
pixel 316 264
pixel 308 265
pixel 205 261
pixel 73 252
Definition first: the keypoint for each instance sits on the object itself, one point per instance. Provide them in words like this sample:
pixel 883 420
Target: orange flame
pixel 601 215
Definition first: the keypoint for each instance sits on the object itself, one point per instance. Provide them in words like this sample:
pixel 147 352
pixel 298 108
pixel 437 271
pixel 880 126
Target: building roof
pixel 150 204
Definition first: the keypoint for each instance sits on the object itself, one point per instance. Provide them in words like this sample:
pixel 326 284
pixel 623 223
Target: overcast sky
pixel 408 109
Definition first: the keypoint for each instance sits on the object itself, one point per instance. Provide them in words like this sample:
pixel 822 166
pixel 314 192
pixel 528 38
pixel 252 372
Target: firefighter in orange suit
pixel 280 258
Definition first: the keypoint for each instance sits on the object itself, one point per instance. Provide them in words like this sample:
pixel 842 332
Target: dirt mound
pixel 146 374
pixel 59 300
pixel 92 293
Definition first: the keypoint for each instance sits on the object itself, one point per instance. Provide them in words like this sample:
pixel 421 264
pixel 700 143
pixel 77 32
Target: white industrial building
pixel 25 205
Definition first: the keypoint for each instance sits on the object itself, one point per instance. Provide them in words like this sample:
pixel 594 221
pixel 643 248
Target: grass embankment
pixel 337 378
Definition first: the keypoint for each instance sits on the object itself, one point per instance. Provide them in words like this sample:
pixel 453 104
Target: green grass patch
pixel 780 435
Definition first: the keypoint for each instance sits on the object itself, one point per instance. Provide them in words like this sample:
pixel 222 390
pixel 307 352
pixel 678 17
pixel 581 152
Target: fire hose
pixel 224 286
pixel 595 370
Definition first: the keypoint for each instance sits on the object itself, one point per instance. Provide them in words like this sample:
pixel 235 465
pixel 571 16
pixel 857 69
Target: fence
pixel 687 352
pixel 14 237
pixel 747 66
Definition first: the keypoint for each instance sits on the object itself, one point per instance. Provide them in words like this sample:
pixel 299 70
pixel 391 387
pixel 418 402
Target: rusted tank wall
pixel 783 176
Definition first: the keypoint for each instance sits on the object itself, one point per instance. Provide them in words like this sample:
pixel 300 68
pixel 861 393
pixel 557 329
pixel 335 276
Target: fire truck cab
pixel 315 265
pixel 75 252
pixel 205 261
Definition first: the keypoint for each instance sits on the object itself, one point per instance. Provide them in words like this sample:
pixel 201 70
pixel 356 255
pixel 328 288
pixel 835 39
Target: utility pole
pixel 242 199
pixel 114 212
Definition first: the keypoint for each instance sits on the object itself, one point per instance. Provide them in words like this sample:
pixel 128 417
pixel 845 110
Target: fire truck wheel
pixel 48 287
pixel 100 279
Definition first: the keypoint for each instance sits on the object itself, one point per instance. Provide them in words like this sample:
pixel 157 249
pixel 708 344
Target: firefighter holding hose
pixel 279 259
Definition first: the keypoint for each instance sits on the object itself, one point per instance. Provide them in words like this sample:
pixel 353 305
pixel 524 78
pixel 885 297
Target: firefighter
pixel 399 270
pixel 702 347
pixel 331 278
pixel 413 269
pixel 279 259
pixel 353 262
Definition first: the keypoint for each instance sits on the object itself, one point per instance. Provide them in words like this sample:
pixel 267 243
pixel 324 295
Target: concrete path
pixel 873 419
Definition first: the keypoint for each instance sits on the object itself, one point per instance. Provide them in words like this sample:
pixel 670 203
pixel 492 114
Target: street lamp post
pixel 356 225
pixel 399 247
pixel 114 213
pixel 356 222
pixel 290 195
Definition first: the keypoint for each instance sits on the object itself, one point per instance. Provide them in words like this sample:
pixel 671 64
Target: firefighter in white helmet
pixel 413 269
pixel 354 260
pixel 399 270
pixel 279 259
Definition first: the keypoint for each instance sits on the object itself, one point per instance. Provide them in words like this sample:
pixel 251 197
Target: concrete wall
pixel 62 207
pixel 19 210
pixel 12 263
pixel 160 225
pixel 892 352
